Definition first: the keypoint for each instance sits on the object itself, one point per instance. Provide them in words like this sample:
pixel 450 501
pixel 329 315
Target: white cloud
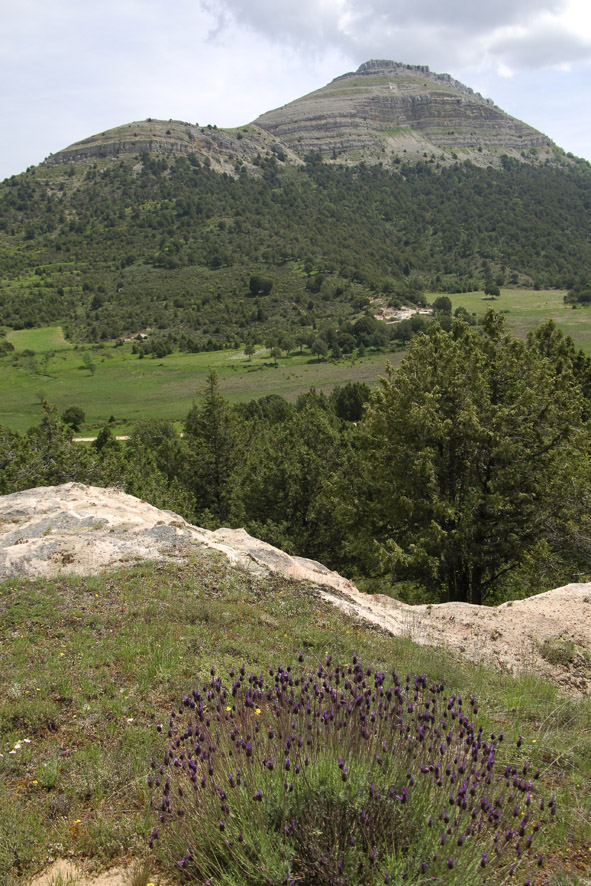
pixel 428 31
pixel 76 68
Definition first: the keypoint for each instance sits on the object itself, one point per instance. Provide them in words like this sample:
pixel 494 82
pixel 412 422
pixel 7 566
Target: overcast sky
pixel 71 68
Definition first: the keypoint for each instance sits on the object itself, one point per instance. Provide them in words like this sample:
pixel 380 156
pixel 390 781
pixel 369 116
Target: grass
pixel 89 665
pixel 48 338
pixel 133 389
pixel 525 309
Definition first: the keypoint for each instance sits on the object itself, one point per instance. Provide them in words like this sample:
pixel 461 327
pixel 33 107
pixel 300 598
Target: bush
pixel 340 776
pixel 558 652
pixel 74 416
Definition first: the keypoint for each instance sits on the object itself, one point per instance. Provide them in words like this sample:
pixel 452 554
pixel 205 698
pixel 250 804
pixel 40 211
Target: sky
pixel 72 68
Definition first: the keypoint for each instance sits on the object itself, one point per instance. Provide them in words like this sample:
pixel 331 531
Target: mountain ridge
pixel 304 219
pixel 383 112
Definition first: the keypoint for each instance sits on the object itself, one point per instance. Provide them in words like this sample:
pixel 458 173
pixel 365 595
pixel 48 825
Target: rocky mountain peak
pixel 385 112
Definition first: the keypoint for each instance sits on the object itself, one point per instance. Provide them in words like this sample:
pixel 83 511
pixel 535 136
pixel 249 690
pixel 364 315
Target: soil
pixel 65 873
pixel 549 634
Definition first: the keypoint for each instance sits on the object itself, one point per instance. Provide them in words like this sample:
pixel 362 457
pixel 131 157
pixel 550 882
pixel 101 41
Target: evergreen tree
pixel 283 479
pixel 462 447
pixel 213 441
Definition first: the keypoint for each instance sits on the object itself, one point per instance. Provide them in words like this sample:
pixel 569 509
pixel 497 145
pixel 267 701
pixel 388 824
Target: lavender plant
pixel 340 775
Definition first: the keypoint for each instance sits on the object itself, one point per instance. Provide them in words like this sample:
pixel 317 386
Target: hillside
pixel 383 184
pixel 81 530
pixel 91 663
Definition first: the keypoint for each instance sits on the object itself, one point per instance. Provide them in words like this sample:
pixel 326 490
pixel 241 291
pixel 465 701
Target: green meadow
pixel 120 385
pixel 132 389
pixel 525 309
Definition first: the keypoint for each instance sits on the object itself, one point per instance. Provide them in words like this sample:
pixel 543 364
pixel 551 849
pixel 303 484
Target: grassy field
pixel 527 308
pixel 131 389
pixel 89 666
pixel 48 338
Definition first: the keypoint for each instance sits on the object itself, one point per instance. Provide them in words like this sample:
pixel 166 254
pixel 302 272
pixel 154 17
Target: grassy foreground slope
pixel 89 665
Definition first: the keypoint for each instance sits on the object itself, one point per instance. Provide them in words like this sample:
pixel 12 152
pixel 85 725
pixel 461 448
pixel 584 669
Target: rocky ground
pixel 81 530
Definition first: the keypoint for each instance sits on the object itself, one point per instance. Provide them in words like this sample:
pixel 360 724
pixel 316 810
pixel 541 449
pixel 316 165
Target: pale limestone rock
pixel 82 530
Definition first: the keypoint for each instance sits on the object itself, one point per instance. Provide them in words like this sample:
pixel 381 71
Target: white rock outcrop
pixel 82 530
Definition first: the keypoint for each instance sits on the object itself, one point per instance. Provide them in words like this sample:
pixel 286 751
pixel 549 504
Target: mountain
pixel 386 109
pixel 382 112
pixel 362 195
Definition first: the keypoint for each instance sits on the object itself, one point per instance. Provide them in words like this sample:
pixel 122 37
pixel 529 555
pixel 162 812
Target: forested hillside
pixel 112 247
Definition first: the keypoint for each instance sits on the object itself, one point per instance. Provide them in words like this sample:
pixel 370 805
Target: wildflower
pixel 443 749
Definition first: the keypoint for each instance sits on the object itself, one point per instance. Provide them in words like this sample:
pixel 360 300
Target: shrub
pixel 342 776
pixel 558 652
pixel 74 416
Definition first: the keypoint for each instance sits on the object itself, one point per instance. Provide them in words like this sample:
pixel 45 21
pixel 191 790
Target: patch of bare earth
pixel 549 634
pixel 64 873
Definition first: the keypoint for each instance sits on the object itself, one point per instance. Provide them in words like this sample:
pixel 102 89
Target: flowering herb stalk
pixel 339 775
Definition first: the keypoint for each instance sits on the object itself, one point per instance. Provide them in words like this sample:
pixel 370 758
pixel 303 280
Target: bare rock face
pixel 383 112
pixel 82 530
pixel 168 137
pixel 387 109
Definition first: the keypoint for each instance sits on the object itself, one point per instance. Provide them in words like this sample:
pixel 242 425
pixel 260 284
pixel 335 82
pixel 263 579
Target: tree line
pixel 465 476
pixel 111 250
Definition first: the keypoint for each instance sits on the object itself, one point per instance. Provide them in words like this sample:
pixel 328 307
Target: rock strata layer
pixel 384 112
pixel 386 108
